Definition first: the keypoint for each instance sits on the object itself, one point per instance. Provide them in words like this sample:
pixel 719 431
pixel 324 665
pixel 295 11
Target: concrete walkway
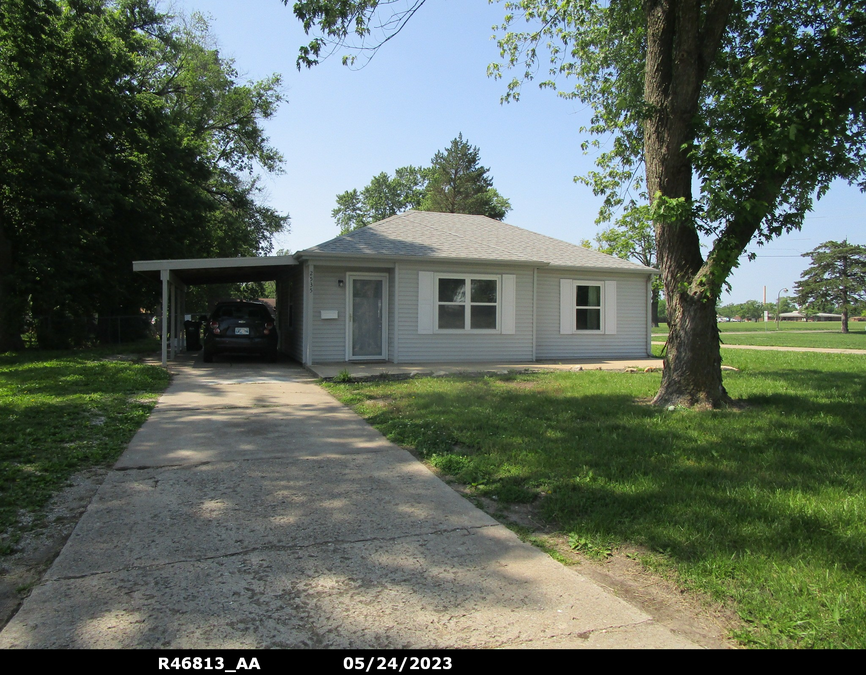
pixel 254 510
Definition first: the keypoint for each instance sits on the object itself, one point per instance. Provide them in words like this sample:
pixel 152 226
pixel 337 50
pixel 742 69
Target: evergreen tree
pixel 837 277
pixel 461 185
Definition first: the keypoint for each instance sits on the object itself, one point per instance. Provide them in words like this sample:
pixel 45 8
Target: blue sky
pixel 340 127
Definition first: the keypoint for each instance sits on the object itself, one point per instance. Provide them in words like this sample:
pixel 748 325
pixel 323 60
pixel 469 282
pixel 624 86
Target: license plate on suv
pixel 242 330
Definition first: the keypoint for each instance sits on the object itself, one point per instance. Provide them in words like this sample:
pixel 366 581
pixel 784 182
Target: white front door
pixel 367 327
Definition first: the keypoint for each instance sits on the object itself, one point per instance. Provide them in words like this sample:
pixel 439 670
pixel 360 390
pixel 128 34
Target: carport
pixel 177 275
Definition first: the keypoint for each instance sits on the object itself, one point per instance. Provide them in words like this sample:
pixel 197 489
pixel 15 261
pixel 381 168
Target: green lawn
pixel 61 412
pixel 784 326
pixel 813 339
pixel 762 508
pixel 825 335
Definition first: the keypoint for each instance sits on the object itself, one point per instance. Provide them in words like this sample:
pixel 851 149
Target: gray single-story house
pixel 440 287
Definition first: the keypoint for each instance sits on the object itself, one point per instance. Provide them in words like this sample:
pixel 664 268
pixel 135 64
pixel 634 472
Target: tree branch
pixel 737 234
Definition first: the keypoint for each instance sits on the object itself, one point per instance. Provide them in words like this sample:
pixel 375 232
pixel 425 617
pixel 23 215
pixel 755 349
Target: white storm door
pixel 367 327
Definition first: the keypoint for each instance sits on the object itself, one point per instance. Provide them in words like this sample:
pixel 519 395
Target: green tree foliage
pixel 123 136
pixel 454 183
pixel 751 310
pixel 786 305
pixel 633 238
pixel 337 20
pixel 383 197
pixel 837 277
pixel 759 103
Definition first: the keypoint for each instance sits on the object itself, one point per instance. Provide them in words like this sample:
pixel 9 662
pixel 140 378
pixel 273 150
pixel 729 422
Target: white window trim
pixel 468 280
pixel 574 307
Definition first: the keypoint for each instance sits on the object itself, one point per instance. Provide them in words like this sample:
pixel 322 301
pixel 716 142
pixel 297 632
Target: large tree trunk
pixel 678 55
pixel 693 364
pixel 679 51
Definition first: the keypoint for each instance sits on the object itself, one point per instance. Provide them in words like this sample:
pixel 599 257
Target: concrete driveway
pixel 254 510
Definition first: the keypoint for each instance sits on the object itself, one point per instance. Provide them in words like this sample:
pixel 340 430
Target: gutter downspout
pixel 534 310
pixel 396 355
pixel 649 316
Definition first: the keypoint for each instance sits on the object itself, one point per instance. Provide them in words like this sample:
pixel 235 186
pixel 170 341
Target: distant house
pixel 441 287
pixel 820 316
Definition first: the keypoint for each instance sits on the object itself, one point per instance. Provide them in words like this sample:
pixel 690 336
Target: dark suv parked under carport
pixel 240 327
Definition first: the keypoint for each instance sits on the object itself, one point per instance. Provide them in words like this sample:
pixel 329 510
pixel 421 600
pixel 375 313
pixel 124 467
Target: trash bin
pixel 193 335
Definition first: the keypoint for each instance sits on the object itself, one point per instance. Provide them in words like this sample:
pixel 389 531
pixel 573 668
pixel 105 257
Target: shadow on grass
pixel 782 479
pixel 73 377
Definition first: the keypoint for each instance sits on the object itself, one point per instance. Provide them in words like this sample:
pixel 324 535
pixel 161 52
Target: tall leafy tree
pixel 837 276
pixel 752 101
pixel 65 98
pixel 758 103
pixel 123 135
pixel 383 197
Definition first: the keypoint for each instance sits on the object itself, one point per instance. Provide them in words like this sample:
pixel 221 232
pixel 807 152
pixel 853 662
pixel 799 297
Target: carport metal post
pixel 173 311
pixel 172 286
pixel 164 322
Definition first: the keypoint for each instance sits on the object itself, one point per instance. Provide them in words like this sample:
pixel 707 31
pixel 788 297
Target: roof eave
pixel 318 255
pixel 590 268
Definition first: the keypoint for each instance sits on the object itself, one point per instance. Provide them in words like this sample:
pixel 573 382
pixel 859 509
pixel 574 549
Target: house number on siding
pixel 311 281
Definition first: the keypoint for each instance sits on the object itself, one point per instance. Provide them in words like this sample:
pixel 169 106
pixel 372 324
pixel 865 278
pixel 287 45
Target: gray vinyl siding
pixel 630 340
pixel 443 347
pixel 329 335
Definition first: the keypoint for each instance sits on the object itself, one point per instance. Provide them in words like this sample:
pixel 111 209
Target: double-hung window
pixel 587 307
pixel 467 303
pixel 588 299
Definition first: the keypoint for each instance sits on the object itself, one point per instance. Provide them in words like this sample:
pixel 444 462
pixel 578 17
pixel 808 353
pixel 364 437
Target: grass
pixel 61 412
pixel 762 508
pixel 812 339
pixel 784 327
pixel 825 335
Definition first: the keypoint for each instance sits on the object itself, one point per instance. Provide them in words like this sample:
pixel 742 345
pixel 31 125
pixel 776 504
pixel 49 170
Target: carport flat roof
pixel 216 270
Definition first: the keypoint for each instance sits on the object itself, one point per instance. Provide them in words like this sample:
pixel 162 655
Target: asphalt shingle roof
pixel 458 236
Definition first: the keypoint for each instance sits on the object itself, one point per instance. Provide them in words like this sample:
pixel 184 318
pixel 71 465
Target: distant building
pixel 820 316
